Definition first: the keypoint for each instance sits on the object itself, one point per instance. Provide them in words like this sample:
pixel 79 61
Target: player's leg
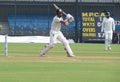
pixel 46 48
pixel 66 44
pixel 110 35
pixel 106 40
pixel 50 45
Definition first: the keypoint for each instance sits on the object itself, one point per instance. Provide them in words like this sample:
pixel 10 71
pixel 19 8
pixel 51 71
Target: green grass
pixel 91 64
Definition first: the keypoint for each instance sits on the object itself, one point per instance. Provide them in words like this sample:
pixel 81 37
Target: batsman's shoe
pixel 106 49
pixel 109 48
pixel 70 55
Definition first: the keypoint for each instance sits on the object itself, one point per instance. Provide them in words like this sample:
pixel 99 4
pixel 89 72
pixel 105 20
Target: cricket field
pixel 90 64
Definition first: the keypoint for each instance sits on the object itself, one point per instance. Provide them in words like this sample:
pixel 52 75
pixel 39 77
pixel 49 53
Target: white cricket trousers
pixel 53 40
pixel 108 38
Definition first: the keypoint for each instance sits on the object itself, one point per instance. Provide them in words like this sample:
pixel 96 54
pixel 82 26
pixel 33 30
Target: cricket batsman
pixel 108 27
pixel 56 34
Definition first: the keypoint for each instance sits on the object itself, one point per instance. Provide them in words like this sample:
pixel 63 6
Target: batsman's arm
pixel 113 26
pixel 103 25
pixel 64 22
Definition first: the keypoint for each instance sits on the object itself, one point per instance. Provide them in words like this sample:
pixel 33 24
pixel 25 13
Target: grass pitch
pixel 91 64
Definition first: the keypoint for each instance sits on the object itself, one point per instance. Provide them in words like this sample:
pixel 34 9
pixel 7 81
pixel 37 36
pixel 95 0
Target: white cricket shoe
pixel 70 55
pixel 109 48
pixel 106 48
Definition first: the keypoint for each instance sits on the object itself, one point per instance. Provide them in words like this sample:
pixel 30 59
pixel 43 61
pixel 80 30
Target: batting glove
pixel 70 17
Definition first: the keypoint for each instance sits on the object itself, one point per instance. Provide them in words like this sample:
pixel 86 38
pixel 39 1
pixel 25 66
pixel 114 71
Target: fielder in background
pixel 108 27
pixel 56 34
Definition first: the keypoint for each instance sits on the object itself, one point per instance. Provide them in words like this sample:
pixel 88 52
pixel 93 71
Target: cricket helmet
pixel 107 13
pixel 59 11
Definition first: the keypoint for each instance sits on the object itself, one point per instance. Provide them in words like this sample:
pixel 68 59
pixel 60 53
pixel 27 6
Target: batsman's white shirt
pixel 56 25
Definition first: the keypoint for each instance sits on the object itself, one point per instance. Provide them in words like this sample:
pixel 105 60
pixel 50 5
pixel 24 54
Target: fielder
pixel 108 27
pixel 56 34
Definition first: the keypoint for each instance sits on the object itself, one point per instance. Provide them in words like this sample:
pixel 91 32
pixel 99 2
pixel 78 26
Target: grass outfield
pixel 91 64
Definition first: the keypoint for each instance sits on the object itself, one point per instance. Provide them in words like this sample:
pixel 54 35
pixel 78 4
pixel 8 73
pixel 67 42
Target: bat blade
pixel 56 6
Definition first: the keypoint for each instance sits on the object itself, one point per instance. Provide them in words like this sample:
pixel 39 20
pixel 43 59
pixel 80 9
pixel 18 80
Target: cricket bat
pixel 59 8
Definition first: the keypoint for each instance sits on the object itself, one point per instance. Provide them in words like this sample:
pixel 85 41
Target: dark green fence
pixel 34 18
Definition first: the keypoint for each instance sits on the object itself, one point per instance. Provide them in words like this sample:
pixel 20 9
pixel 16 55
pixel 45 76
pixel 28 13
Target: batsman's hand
pixel 69 17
